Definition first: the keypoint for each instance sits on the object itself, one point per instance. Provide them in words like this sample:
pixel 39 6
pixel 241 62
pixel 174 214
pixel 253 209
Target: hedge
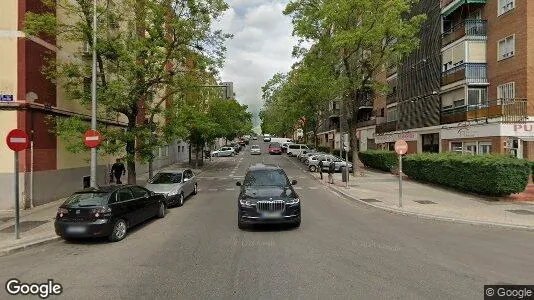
pixel 492 175
pixel 379 159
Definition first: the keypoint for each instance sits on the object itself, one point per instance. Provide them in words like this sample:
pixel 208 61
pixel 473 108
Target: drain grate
pixel 24 226
pixel 370 200
pixel 5 219
pixel 521 211
pixel 424 202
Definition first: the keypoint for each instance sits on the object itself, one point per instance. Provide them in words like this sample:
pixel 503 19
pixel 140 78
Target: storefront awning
pixel 456 5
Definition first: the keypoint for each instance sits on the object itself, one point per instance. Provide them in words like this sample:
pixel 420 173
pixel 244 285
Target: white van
pixel 280 140
pixel 296 149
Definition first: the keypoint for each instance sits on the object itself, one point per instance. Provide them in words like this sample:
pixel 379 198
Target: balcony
pixel 470 72
pixel 374 121
pixel 470 28
pixel 449 6
pixel 386 127
pixel 510 110
pixel 391 98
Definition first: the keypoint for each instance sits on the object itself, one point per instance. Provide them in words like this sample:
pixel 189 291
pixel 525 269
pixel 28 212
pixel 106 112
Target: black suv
pixel 267 196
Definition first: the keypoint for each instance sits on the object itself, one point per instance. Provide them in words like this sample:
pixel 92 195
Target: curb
pixel 433 217
pixel 33 244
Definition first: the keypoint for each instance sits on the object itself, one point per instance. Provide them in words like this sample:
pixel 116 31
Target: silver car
pixel 224 151
pixel 176 185
pixel 255 149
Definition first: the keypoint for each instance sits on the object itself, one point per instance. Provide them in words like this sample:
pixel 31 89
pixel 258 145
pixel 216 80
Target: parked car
pixel 275 148
pixel 175 185
pixel 285 145
pixel 255 150
pixel 224 151
pixel 255 138
pixel 313 163
pixel 304 157
pixel 267 196
pixel 107 211
pixel 296 149
pixel 266 138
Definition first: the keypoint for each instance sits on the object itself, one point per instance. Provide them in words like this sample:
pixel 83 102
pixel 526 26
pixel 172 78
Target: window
pixel 506 91
pixel 457 147
pixel 470 148
pixel 266 178
pixel 506 47
pixel 392 114
pixel 505 6
pixel 484 148
pixel 183 148
pixel 477 98
pixel 458 103
pixel 124 195
pixel 139 192
pixel 166 178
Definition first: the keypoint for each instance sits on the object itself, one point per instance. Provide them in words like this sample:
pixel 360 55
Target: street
pixel 343 250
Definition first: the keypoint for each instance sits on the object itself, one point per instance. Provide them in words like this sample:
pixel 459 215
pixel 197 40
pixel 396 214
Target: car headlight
pixel 293 201
pixel 246 203
pixel 173 193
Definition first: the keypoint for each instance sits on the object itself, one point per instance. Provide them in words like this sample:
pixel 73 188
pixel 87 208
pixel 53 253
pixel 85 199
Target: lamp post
pixel 93 100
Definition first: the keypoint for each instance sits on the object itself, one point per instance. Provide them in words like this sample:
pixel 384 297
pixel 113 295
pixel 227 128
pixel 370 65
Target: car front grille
pixel 271 206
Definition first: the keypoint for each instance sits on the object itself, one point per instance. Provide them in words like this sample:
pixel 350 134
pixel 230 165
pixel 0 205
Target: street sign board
pixel 6 98
pixel 401 147
pixel 17 140
pixel 92 138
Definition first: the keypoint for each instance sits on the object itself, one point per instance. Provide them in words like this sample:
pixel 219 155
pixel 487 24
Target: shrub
pixel 379 159
pixel 492 175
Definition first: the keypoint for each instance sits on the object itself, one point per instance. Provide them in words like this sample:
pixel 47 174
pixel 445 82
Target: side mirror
pixel 238 183
pixel 294 182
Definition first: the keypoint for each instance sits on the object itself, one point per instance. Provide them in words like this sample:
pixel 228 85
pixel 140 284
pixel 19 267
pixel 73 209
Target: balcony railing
pixel 374 121
pixel 391 98
pixel 470 72
pixel 386 127
pixel 510 110
pixel 467 28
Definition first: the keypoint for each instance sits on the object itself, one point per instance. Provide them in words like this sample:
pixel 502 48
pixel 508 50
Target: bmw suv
pixel 267 196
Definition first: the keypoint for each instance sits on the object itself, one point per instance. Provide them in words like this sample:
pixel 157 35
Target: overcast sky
pixel 261 47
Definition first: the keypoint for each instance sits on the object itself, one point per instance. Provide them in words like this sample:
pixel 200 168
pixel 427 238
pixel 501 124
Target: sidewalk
pixel 37 224
pixel 381 190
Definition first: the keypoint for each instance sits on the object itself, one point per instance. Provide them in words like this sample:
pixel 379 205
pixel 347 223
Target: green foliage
pixel 492 175
pixel 150 55
pixel 379 159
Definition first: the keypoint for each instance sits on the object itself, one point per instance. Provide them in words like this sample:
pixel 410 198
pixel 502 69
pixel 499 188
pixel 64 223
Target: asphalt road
pixel 343 250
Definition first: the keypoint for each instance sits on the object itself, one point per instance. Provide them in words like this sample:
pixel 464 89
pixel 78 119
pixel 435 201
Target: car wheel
pixel 119 231
pixel 180 199
pixel 161 211
pixel 313 168
pixel 195 189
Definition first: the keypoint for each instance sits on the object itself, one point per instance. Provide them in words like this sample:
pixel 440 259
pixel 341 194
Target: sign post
pixel 17 140
pixel 92 140
pixel 401 147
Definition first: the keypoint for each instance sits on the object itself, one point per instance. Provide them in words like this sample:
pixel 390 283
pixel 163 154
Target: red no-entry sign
pixel 92 138
pixel 401 147
pixel 17 140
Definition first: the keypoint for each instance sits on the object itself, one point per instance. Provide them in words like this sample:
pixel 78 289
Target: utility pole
pixel 93 100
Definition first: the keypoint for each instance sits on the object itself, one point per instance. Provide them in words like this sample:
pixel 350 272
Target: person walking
pixel 118 170
pixel 331 169
pixel 321 168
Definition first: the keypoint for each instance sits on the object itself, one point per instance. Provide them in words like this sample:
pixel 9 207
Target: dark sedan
pixel 267 196
pixel 107 211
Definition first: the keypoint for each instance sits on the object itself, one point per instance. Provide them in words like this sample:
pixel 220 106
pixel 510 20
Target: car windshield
pixel 87 199
pixel 166 178
pixel 255 147
pixel 266 178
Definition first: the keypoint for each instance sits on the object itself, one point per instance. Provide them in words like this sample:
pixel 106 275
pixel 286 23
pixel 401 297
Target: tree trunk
pixel 130 164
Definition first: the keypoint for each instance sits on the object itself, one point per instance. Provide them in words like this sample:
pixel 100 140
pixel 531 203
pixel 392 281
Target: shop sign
pixel 518 130
pixel 463 131
pixel 391 138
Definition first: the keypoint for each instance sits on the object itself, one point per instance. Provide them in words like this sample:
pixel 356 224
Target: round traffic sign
pixel 401 147
pixel 92 138
pixel 17 140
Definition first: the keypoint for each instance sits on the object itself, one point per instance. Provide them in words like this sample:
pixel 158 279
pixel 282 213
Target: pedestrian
pixel 321 168
pixel 331 169
pixel 118 170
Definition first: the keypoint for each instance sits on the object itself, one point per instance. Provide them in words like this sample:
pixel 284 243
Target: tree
pixel 144 54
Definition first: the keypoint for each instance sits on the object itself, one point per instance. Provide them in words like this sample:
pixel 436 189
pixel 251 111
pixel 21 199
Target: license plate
pixel 75 229
pixel 271 215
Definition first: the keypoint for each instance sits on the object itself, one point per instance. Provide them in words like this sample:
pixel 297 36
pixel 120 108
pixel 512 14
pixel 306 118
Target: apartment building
pixel 27 101
pixel 472 95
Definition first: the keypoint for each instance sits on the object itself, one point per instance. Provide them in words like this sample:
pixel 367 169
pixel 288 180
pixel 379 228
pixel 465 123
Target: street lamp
pixel 93 100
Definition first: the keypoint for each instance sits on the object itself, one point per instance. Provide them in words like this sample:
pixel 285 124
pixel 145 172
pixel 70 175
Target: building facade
pixel 27 101
pixel 468 88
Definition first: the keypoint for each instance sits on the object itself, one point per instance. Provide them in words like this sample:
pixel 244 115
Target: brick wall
pixel 514 68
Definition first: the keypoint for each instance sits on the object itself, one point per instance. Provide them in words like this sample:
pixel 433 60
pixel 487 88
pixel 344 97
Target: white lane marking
pixel 313 187
pixel 212 189
pixel 298 188
pixel 230 189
